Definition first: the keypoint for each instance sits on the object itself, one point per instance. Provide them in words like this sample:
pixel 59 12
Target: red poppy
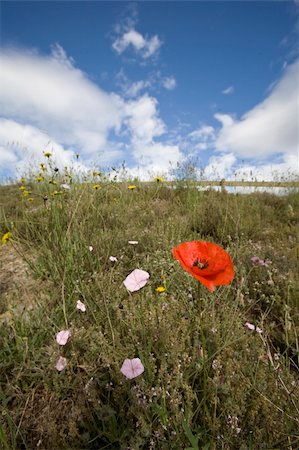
pixel 206 261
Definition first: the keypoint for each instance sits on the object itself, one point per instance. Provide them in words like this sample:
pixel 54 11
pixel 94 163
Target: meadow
pixel 218 370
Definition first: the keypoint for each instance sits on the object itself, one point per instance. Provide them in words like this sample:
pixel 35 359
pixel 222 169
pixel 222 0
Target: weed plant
pixel 210 382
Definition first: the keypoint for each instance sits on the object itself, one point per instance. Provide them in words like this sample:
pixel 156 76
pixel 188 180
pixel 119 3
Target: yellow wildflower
pixel 160 289
pixel 158 179
pixel 25 193
pixel 22 180
pixel 96 174
pixel 39 178
pixel 96 187
pixel 131 187
pixel 48 154
pixel 6 237
pixel 52 182
pixel 30 199
pixel 22 188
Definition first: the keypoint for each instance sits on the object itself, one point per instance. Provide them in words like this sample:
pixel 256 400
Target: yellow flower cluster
pixel 6 237
pixel 160 289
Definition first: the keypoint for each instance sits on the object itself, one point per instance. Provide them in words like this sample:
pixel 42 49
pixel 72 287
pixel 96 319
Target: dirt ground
pixel 17 285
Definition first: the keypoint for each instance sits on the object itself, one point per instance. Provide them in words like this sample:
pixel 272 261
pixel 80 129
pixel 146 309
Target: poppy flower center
pixel 201 263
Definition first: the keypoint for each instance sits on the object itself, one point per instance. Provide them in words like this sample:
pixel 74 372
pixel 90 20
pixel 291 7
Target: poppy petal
pixel 207 262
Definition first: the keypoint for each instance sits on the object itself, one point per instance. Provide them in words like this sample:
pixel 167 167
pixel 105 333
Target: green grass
pixel 209 382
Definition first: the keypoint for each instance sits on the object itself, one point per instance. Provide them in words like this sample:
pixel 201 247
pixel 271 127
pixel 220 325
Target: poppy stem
pixel 200 306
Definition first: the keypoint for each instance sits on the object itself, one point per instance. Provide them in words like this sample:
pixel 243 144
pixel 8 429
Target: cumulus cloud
pixel 220 166
pixel 49 93
pixel 22 146
pixel 143 119
pixel 269 128
pixel 169 83
pixel 156 156
pixel 145 126
pixel 143 46
pixel 154 81
pixel 135 88
pixel 204 133
pixel 228 90
pixel 48 103
pixel 130 88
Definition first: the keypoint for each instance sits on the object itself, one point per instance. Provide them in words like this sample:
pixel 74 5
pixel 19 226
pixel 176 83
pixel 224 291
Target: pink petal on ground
pixel 136 280
pixel 132 368
pixel 255 259
pixel 112 259
pixel 61 363
pixel 90 248
pixel 252 327
pixel 62 337
pixel 81 306
pixel 133 242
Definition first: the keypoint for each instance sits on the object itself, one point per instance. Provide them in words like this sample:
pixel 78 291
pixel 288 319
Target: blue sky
pixel 153 84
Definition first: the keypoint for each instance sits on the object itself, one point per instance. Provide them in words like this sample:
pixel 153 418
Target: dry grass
pixel 209 382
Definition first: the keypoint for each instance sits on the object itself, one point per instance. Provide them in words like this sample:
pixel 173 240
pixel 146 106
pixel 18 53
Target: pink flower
pixel 61 363
pixel 112 259
pixel 136 280
pixel 132 368
pixel 255 259
pixel 81 306
pixel 252 327
pixel 62 337
pixel 260 262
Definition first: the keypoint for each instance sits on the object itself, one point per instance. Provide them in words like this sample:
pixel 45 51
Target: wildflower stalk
pixel 63 299
pixel 75 211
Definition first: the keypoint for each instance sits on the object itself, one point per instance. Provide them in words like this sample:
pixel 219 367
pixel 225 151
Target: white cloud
pixel 228 90
pixel 7 158
pixel 268 171
pixel 135 88
pixel 220 166
pixel 225 119
pixel 169 83
pixel 269 128
pixel 143 120
pixel 202 146
pixel 156 156
pixel 144 46
pixel 129 88
pixel 205 132
pixel 21 146
pixel 145 126
pixel 49 93
pixel 48 103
